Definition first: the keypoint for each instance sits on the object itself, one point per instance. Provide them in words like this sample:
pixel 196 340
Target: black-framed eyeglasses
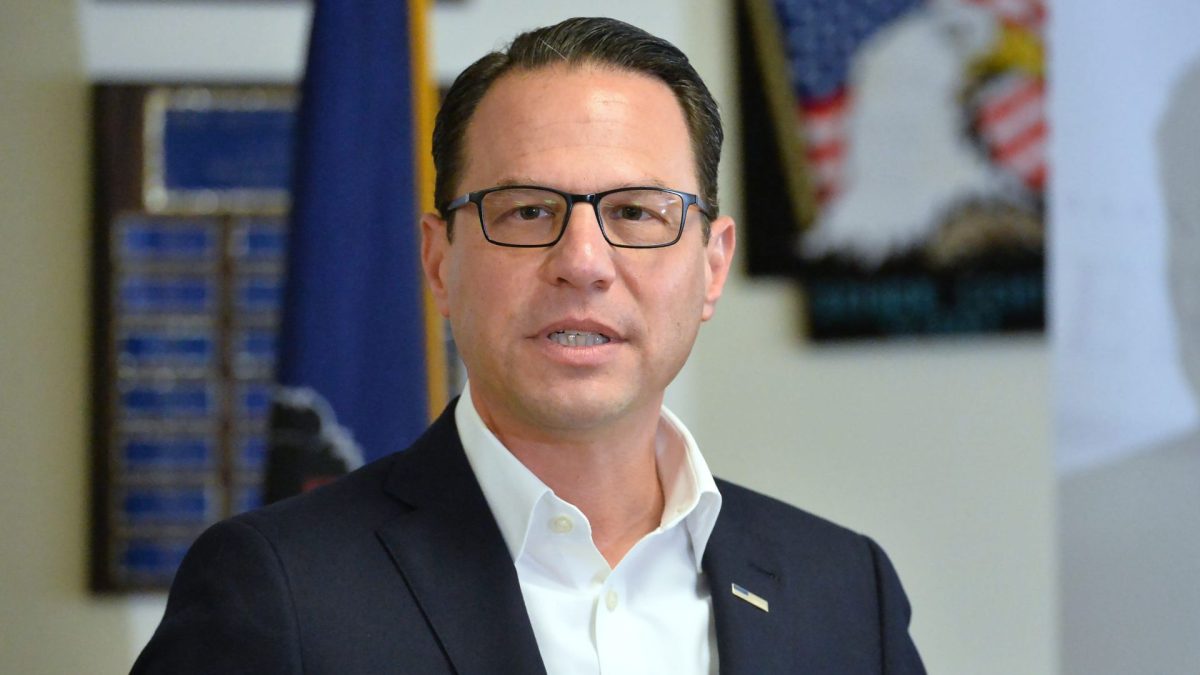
pixel 532 216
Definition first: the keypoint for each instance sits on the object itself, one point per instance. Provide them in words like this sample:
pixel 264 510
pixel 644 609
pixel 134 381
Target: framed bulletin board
pixel 190 200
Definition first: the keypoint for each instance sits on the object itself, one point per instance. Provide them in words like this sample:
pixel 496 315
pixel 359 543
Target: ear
pixel 722 241
pixel 435 246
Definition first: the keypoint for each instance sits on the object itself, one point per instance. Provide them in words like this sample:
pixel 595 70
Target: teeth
pixel 572 338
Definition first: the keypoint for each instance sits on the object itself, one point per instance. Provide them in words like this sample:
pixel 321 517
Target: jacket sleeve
pixel 229 610
pixel 900 655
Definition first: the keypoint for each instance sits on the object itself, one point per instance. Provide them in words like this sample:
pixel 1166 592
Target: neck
pixel 612 477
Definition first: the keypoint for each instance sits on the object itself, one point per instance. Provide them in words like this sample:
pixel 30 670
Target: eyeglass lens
pixel 531 217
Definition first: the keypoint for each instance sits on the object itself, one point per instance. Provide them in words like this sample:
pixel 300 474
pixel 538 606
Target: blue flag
pixel 352 365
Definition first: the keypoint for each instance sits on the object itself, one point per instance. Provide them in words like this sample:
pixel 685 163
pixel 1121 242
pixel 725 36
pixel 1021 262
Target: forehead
pixel 581 128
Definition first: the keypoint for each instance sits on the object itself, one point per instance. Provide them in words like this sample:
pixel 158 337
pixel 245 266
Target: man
pixel 556 518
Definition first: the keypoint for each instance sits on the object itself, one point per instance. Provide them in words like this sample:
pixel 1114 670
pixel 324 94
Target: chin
pixel 574 410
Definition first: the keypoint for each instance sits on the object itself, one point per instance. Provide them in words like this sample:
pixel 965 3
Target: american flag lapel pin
pixel 756 600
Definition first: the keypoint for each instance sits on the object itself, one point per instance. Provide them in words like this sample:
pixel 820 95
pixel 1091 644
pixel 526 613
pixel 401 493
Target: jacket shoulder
pixel 770 517
pixel 355 501
pixel 362 500
pixel 864 612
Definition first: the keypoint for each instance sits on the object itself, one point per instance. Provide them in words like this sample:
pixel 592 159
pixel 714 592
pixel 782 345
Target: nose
pixel 581 258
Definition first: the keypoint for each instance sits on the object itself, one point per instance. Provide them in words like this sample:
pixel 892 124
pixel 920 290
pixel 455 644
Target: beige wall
pixel 48 621
pixel 939 451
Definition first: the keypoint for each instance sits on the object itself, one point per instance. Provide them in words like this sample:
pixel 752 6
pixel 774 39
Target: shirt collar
pixel 513 491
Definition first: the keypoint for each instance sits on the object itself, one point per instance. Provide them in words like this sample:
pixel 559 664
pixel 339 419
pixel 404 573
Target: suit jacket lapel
pixel 750 641
pixel 453 558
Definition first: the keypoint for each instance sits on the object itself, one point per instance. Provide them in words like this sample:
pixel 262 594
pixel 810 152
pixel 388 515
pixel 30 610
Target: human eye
pixel 523 216
pixel 530 212
pixel 632 212
pixel 636 217
pixel 635 208
pixel 522 207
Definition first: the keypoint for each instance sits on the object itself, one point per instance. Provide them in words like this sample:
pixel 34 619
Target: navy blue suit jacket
pixel 399 567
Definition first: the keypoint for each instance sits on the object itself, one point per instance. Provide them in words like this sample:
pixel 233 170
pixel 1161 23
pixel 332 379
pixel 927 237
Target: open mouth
pixel 577 338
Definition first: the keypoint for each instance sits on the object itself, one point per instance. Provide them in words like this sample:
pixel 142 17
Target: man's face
pixel 579 130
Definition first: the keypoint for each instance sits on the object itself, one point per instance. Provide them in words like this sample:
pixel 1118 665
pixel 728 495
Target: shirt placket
pixel 609 613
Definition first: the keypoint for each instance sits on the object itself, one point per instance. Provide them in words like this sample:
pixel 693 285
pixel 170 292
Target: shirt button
pixel 610 600
pixel 561 525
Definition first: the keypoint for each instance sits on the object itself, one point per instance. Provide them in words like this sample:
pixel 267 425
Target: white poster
pixel 1125 270
pixel 1118 375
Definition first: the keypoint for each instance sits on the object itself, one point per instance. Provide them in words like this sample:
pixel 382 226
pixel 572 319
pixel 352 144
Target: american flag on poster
pixel 1012 123
pixel 820 39
pixel 1002 97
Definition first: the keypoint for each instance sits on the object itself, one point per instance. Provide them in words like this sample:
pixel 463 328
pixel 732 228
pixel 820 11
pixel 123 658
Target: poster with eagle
pixel 896 161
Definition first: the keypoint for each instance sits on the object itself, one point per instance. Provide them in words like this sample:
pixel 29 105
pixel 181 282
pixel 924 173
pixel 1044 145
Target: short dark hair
pixel 578 42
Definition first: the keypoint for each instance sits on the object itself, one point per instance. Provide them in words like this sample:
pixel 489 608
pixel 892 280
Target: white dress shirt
pixel 650 614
